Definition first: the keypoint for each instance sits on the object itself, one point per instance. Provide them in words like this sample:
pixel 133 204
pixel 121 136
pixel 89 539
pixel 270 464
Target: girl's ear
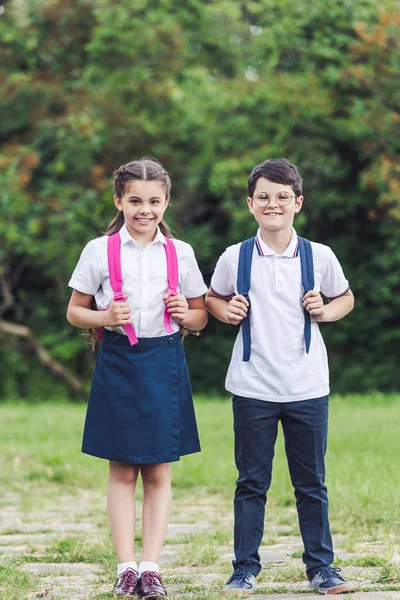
pixel 117 203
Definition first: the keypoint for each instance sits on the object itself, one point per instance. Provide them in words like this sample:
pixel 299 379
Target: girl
pixel 140 414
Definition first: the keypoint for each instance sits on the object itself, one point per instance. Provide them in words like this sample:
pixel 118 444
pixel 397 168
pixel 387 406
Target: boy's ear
pixel 117 203
pixel 298 203
pixel 250 204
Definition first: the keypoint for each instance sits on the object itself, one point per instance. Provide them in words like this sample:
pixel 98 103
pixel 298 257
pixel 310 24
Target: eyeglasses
pixel 262 199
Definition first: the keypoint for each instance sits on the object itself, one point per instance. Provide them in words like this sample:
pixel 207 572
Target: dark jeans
pixel 305 428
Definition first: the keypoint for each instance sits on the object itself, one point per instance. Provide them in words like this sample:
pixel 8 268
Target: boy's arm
pixel 327 313
pixel 231 311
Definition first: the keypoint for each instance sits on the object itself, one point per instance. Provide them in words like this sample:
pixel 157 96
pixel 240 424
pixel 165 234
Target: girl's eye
pixel 155 202
pixel 134 201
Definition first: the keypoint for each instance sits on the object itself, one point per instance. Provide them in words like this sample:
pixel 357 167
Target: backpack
pixel 114 269
pixel 243 286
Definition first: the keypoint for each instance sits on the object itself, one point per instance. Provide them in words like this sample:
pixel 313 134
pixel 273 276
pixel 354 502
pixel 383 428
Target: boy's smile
pixel 272 215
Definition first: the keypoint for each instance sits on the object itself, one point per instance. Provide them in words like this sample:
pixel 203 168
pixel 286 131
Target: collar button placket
pixel 144 292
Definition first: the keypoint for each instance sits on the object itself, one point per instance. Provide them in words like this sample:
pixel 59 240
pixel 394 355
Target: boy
pixel 280 372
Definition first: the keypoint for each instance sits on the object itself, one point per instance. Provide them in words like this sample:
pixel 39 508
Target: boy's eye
pixel 155 202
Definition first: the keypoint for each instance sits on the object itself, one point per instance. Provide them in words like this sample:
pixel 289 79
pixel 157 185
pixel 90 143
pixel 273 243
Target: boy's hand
pixel 313 303
pixel 237 310
pixel 177 307
pixel 117 314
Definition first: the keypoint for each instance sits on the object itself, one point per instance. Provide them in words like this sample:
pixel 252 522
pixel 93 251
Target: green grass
pixel 43 472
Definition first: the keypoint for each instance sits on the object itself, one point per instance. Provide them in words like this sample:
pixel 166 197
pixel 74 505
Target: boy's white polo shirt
pixel 279 369
pixel 144 279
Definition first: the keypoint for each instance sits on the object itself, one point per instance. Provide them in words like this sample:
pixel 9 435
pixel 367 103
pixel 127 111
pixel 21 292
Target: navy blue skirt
pixel 140 408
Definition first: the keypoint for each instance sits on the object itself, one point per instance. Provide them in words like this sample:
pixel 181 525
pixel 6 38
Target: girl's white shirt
pixel 144 279
pixel 279 370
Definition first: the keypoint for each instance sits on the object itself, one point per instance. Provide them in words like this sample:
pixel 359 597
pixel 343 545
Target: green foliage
pixel 210 89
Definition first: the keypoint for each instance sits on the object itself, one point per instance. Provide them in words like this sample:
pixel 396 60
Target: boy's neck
pixel 278 241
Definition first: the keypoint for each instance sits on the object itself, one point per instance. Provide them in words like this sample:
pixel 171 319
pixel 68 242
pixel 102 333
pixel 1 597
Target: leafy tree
pixel 210 89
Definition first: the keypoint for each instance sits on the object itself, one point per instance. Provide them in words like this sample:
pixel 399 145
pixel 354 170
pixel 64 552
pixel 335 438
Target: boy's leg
pixel 255 428
pixel 305 427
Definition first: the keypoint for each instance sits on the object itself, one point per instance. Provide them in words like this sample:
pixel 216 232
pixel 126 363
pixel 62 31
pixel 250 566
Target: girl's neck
pixel 278 241
pixel 142 238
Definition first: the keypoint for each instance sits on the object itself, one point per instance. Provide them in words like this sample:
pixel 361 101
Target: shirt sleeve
pixel 222 283
pixel 192 284
pixel 86 277
pixel 333 282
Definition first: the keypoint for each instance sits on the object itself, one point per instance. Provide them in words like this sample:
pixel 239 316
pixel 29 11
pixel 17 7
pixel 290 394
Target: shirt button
pixel 144 309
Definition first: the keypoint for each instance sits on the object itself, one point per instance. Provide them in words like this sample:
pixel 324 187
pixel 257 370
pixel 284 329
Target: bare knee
pixel 123 473
pixel 156 475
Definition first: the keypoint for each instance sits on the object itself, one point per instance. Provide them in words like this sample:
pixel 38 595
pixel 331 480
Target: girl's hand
pixel 313 303
pixel 177 307
pixel 236 310
pixel 117 314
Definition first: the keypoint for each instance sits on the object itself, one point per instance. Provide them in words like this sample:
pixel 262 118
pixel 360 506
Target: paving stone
pixel 85 570
pixel 182 528
pixel 77 514
pixel 21 549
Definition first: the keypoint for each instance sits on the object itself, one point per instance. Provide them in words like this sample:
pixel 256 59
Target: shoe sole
pixel 346 588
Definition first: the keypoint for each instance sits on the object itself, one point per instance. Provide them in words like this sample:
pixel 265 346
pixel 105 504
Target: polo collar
pixel 264 250
pixel 126 237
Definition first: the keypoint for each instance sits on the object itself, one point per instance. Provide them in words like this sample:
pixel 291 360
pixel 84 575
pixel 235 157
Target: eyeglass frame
pixel 273 196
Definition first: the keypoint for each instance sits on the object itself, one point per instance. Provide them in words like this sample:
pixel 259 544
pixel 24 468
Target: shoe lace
pixel 327 572
pixel 151 576
pixel 129 576
pixel 241 573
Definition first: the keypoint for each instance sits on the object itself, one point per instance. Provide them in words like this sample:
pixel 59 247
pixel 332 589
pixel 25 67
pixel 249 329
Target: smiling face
pixel 274 217
pixel 143 204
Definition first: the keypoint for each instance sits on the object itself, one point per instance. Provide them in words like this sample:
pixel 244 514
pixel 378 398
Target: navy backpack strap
pixel 307 279
pixel 243 287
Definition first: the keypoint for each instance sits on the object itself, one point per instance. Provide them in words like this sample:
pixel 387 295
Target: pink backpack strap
pixel 173 278
pixel 114 269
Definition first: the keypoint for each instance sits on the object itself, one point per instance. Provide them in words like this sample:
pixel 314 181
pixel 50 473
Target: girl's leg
pixel 156 508
pixel 121 508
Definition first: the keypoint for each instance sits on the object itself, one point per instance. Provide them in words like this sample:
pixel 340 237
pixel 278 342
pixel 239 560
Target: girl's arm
pixel 190 313
pixel 327 313
pixel 79 313
pixel 231 311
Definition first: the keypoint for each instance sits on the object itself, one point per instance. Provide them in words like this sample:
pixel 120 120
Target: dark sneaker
pixel 127 583
pixel 151 585
pixel 242 582
pixel 329 581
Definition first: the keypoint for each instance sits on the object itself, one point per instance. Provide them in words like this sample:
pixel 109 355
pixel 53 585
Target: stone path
pixel 191 547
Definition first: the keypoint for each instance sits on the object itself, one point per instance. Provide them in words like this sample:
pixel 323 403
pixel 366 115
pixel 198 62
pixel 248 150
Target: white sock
pixel 146 565
pixel 124 566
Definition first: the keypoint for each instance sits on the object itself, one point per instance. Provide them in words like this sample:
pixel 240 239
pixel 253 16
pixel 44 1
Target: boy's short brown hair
pixel 278 170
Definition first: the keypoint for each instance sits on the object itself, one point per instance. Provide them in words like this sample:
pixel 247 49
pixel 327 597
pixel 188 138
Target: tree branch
pixel 7 296
pixel 74 383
